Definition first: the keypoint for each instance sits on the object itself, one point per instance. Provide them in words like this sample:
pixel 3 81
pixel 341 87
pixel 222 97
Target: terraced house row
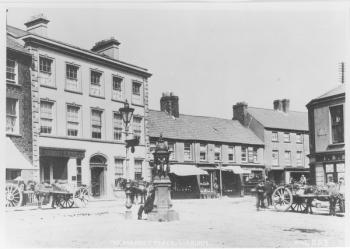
pixel 63 124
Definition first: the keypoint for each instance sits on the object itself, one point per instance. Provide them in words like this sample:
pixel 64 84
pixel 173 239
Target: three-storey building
pixel 285 135
pixel 76 96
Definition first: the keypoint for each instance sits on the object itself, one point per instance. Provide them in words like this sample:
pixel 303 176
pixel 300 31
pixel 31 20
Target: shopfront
pixel 185 181
pixel 329 166
pixel 334 171
pixel 59 165
pixel 251 177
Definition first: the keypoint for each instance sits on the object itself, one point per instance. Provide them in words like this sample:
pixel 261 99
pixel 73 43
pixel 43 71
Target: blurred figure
pixel 269 188
pixel 260 191
pixel 333 195
pixel 149 203
pixel 302 180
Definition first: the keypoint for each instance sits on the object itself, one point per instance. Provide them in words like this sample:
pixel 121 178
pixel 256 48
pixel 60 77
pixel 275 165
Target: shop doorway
pixel 98 166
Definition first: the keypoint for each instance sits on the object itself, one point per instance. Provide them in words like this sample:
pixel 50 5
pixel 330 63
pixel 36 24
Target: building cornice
pixel 84 54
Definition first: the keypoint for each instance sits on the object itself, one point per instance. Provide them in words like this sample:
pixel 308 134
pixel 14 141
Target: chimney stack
pixel 107 47
pixel 277 105
pixel 37 25
pixel 169 103
pixel 285 105
pixel 240 112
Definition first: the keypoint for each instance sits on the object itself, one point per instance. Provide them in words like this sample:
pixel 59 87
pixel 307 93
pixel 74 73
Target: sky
pixel 215 55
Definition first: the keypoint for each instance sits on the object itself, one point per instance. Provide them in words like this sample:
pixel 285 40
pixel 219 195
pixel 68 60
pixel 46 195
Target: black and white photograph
pixel 191 124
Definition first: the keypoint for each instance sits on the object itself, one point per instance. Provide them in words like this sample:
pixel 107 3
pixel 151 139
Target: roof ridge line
pixel 273 109
pixel 192 115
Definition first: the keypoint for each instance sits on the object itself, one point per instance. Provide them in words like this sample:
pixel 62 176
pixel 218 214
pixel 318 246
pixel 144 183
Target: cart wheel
pixel 66 202
pixel 282 198
pixel 299 204
pixel 81 197
pixel 13 195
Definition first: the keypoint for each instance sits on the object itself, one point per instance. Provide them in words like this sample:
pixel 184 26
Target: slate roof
pixel 188 127
pixel 279 120
pixel 18 33
pixel 13 44
pixel 335 91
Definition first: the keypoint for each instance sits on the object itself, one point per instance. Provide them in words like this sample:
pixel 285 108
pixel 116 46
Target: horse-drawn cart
pixel 62 195
pixel 298 197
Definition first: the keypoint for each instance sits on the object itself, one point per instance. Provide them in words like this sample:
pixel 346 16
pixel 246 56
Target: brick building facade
pixel 19 111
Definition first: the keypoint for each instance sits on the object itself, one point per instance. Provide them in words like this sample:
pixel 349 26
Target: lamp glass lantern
pixel 127 113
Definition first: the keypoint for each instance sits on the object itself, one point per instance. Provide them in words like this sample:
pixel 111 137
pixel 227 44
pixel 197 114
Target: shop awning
pixel 14 158
pixel 246 171
pixel 186 170
pixel 234 169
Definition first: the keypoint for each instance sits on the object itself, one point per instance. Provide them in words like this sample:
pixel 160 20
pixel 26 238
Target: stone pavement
pixel 226 222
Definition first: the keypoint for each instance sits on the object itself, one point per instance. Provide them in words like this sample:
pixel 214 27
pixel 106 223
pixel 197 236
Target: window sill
pixel 47 86
pixel 13 134
pixel 287 142
pixel 117 100
pixel 135 104
pixel 336 144
pixel 72 91
pixel 13 83
pixel 95 96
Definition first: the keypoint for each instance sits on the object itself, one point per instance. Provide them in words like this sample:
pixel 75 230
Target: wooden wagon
pixel 64 197
pixel 296 197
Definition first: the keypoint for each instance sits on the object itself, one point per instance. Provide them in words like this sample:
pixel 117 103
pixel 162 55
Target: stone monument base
pixel 162 210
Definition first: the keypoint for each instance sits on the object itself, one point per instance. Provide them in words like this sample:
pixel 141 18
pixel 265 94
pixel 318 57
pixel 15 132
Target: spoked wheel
pixel 66 201
pixel 13 195
pixel 282 198
pixel 299 204
pixel 81 197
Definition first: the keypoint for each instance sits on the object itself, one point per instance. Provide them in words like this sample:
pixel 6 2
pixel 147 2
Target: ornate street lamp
pixel 162 210
pixel 127 113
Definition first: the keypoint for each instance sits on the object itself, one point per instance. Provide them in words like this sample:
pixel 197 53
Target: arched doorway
pixel 98 166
